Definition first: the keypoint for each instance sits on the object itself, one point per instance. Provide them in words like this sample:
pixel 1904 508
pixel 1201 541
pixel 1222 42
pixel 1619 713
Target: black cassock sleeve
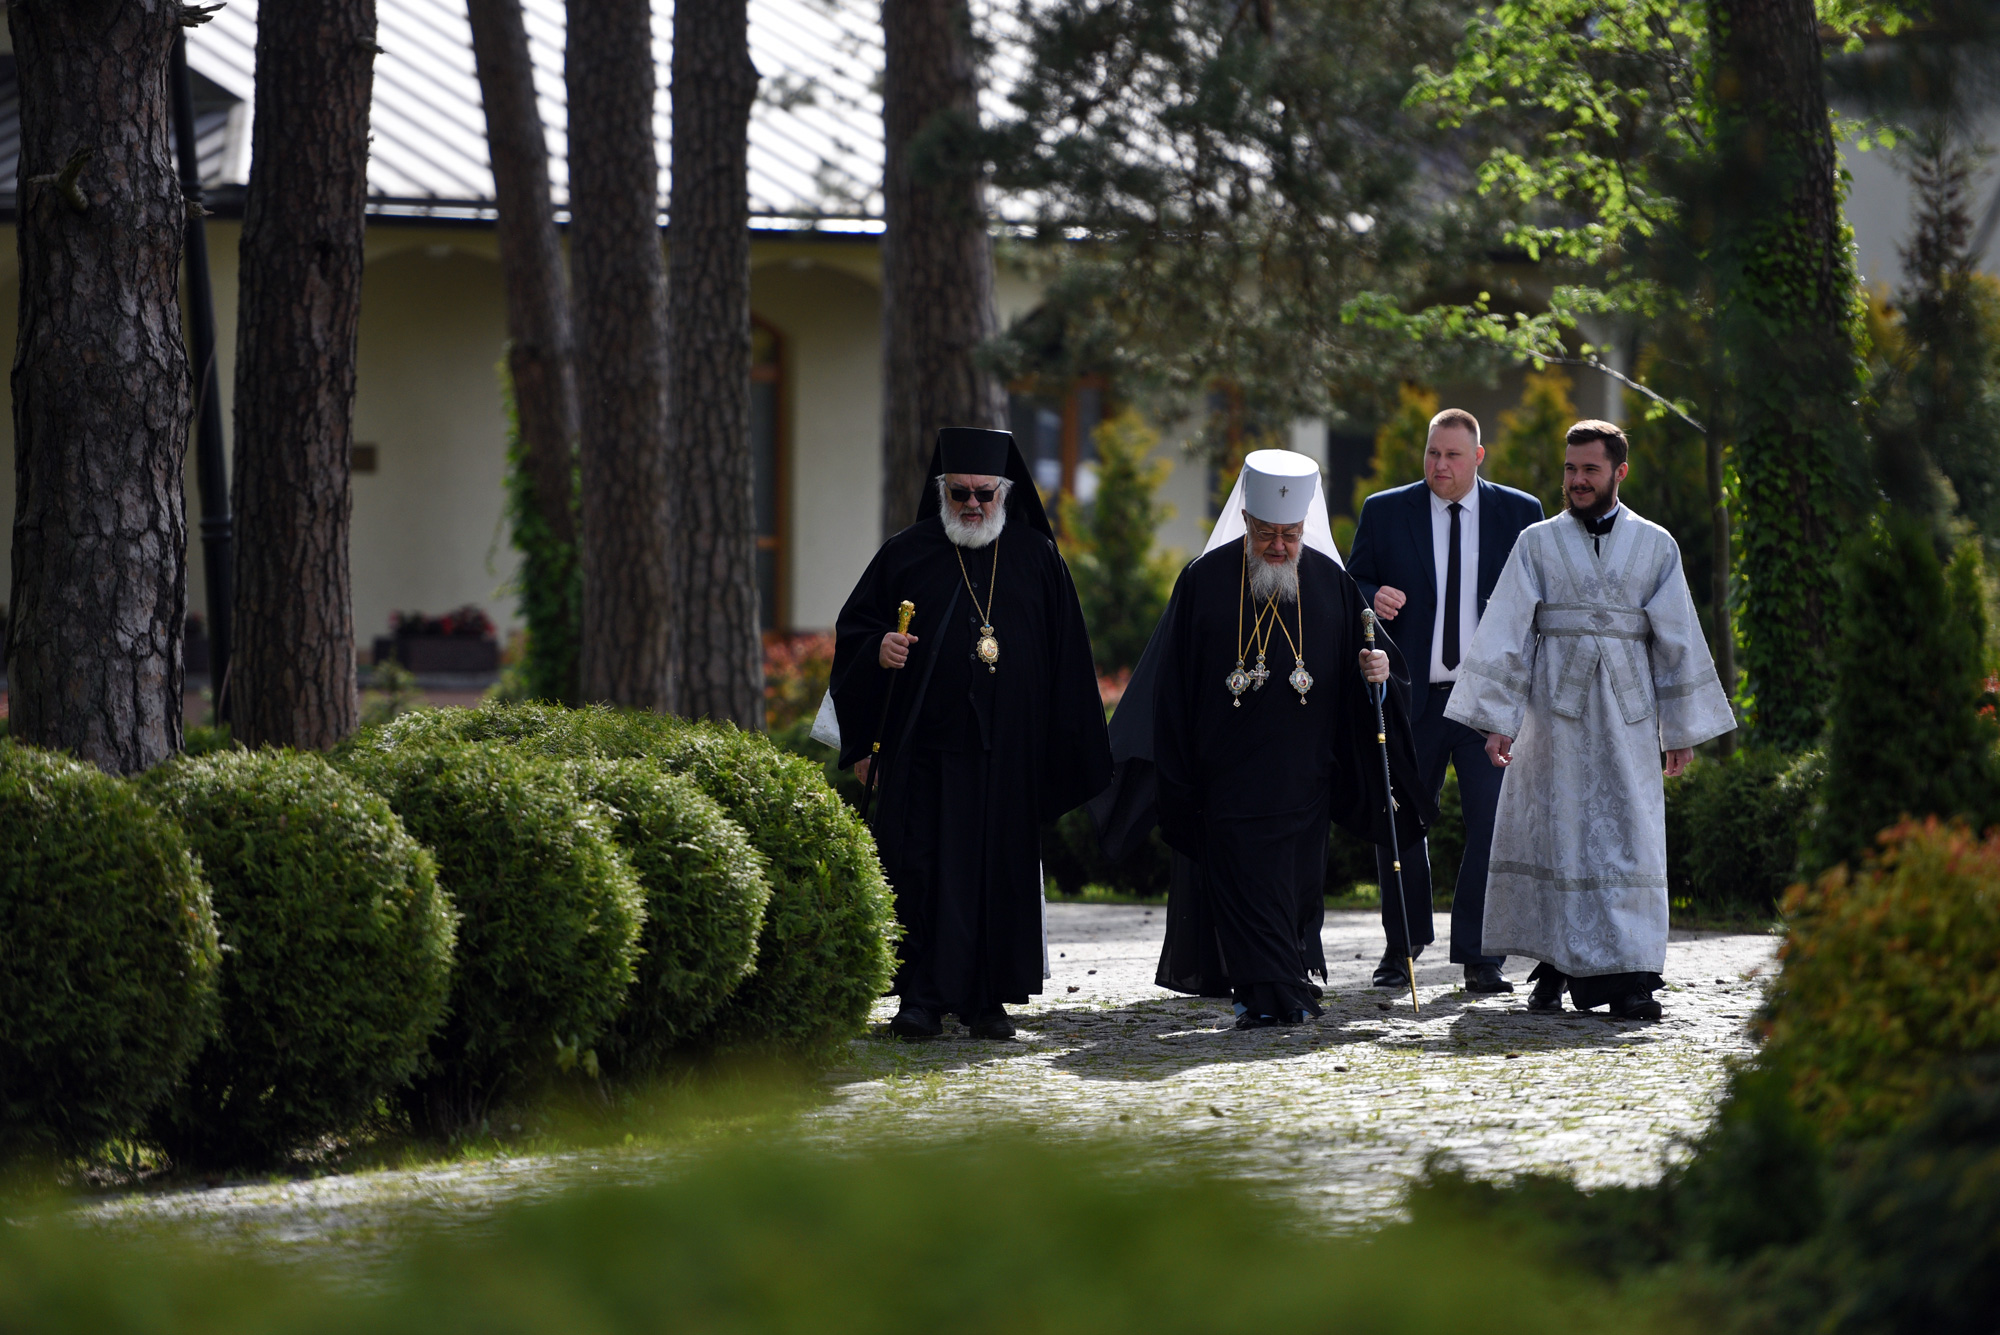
pixel 1177 775
pixel 1076 753
pixel 859 681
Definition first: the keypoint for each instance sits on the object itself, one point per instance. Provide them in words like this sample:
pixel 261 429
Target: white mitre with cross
pixel 1279 487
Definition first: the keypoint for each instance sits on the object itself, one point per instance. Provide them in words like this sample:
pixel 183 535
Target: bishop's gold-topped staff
pixel 904 612
pixel 1376 690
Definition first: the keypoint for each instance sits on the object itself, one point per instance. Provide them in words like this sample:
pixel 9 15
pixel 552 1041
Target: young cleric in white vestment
pixel 1588 665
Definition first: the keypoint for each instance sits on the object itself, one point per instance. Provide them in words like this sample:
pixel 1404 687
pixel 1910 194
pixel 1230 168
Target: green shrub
pixel 824 954
pixel 1891 979
pixel 1733 831
pixel 1073 857
pixel 1122 584
pixel 549 917
pixel 107 954
pixel 791 1244
pixel 1904 733
pixel 705 894
pixel 338 953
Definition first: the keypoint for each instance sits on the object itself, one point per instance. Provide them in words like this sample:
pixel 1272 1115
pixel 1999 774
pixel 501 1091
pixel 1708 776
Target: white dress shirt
pixel 1468 576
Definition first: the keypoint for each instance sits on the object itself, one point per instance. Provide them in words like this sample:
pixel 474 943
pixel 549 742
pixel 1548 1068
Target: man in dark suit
pixel 1426 557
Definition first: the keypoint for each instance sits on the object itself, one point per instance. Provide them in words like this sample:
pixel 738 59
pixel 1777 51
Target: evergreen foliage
pixel 824 953
pixel 338 954
pixel 549 916
pixel 1907 736
pixel 1526 448
pixel 705 893
pixel 1399 445
pixel 1935 396
pixel 550 580
pixel 108 954
pixel 1122 585
pixel 1734 828
pixel 1889 984
pixel 1282 142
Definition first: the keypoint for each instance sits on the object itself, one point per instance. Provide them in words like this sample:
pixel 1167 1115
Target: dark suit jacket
pixel 1392 546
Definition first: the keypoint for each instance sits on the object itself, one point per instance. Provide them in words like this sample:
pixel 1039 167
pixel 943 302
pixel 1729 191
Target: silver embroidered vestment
pixel 1593 663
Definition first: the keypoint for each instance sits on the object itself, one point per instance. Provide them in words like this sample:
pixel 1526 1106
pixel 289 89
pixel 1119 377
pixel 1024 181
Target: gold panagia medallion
pixel 988 648
pixel 1238 681
pixel 1301 680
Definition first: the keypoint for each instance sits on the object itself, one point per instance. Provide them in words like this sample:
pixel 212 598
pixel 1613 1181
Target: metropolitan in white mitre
pixel 1590 676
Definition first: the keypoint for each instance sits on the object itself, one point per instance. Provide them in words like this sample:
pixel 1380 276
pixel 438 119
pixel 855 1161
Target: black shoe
pixel 1485 978
pixel 916 1022
pixel 1297 1017
pixel 1247 1021
pixel 991 1023
pixel 1548 994
pixel 1637 1006
pixel 1394 970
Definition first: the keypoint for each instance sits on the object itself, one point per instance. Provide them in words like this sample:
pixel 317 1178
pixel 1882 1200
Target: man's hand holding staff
pixel 894 653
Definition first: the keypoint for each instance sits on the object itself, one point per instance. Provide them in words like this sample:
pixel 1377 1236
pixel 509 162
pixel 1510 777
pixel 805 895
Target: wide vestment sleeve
pixel 858 681
pixel 1692 704
pixel 1077 755
pixel 1498 671
pixel 1180 789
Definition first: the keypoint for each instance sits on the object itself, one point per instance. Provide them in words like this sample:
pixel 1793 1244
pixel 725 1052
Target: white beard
pixel 1267 579
pixel 972 535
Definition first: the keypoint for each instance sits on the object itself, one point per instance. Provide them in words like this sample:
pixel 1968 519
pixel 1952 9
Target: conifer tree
pixel 1399 445
pixel 1122 585
pixel 1906 736
pixel 1526 450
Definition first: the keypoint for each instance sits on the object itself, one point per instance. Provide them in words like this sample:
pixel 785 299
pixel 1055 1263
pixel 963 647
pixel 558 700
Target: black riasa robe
pixel 973 761
pixel 1248 792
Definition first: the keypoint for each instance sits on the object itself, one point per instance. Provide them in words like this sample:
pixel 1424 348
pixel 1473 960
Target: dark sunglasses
pixel 963 494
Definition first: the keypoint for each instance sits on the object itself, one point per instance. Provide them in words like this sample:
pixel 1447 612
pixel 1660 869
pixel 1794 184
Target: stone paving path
pixel 1340 1112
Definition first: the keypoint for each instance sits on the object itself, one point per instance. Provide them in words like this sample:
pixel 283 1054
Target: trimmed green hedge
pixel 108 954
pixel 1734 829
pixel 549 917
pixel 338 953
pixel 705 896
pixel 825 953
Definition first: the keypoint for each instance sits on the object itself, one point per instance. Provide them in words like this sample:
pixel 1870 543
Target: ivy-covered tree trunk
pixel 630 644
pixel 541 346
pixel 708 315
pixel 100 387
pixel 937 258
pixel 298 321
pixel 1787 318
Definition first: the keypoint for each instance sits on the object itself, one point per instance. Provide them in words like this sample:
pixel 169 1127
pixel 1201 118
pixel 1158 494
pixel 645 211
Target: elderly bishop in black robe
pixel 1263 734
pixel 990 724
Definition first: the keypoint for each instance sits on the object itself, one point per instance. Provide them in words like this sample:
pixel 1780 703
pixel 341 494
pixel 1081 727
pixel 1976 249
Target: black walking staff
pixel 904 612
pixel 1376 691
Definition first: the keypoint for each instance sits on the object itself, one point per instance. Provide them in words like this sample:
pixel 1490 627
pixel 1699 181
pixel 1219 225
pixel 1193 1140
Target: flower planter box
pixel 440 653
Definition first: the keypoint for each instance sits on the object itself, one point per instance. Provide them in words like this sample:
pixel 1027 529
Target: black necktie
pixel 1451 565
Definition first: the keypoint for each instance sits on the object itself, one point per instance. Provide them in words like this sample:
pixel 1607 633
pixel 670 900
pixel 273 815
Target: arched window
pixel 767 452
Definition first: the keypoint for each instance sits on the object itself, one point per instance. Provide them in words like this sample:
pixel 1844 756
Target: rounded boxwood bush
pixel 705 895
pixel 1891 979
pixel 549 917
pixel 107 954
pixel 338 953
pixel 826 950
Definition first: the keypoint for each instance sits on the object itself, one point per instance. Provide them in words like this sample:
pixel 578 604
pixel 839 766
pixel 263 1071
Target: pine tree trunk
pixel 298 315
pixel 100 385
pixel 1788 285
pixel 630 639
pixel 541 350
pixel 708 316
pixel 937 258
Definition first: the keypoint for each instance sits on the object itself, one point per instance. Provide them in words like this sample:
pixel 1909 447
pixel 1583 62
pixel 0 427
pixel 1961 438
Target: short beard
pixel 1605 500
pixel 973 536
pixel 1267 579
